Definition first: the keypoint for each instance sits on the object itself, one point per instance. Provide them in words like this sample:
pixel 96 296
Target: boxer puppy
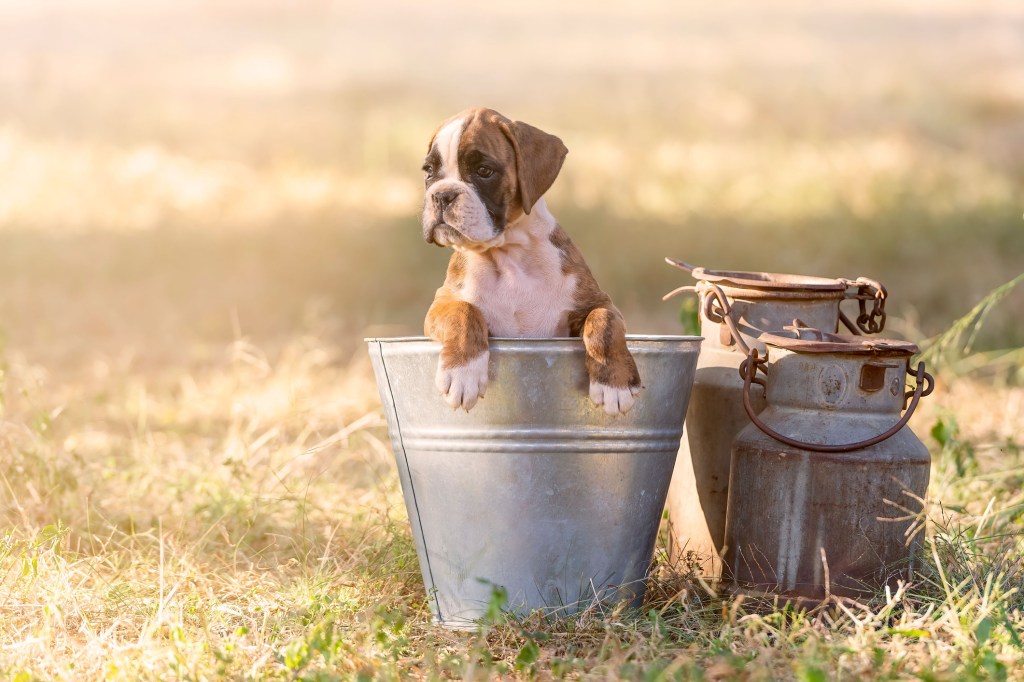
pixel 514 271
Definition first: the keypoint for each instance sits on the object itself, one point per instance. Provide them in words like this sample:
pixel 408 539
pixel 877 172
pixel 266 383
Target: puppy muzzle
pixel 442 235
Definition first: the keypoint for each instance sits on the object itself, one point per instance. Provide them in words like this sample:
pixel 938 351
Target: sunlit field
pixel 205 206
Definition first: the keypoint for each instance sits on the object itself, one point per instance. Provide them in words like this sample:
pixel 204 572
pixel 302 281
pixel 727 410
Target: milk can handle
pixel 715 294
pixel 867 290
pixel 749 369
pixel 710 294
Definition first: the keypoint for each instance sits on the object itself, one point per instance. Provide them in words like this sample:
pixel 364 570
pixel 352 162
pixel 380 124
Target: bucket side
pixel 387 400
pixel 536 489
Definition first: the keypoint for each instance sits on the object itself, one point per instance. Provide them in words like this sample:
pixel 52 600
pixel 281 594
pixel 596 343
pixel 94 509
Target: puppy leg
pixel 462 370
pixel 614 380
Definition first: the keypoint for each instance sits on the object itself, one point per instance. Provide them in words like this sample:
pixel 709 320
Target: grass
pixel 244 521
pixel 202 211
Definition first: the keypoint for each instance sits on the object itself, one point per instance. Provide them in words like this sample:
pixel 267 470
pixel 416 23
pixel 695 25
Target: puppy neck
pixel 537 224
pixel 520 245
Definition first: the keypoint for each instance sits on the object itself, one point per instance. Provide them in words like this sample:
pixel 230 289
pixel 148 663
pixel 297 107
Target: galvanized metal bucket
pixel 827 483
pixel 535 490
pixel 735 308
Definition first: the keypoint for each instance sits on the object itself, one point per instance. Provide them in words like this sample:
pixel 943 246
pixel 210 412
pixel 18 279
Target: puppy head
pixel 483 171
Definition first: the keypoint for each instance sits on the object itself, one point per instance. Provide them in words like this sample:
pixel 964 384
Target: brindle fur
pixel 530 161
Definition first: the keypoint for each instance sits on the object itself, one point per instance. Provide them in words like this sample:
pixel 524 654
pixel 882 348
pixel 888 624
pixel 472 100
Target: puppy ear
pixel 539 157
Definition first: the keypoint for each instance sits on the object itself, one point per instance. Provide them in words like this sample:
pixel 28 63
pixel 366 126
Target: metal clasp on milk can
pixel 826 485
pixel 735 308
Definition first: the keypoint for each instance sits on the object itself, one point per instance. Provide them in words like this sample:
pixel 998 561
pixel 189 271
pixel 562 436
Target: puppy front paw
pixel 616 400
pixel 463 385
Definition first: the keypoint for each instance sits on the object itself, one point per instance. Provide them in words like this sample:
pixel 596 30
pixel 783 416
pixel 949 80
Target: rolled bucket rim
pixel 646 338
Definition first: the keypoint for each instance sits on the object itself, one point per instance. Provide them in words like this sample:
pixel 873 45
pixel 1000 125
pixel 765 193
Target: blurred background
pixel 175 175
pixel 205 205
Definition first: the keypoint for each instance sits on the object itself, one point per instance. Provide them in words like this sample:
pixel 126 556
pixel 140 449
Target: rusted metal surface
pixel 769 283
pixel 735 308
pixel 535 490
pixel 871 322
pixel 810 340
pixel 773 285
pixel 872 378
pixel 810 517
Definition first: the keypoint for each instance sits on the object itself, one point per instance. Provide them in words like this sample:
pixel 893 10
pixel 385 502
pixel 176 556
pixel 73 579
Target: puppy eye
pixel 484 172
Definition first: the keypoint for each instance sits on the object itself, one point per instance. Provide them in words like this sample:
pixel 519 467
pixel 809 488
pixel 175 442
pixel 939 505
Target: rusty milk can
pixel 827 485
pixel 735 308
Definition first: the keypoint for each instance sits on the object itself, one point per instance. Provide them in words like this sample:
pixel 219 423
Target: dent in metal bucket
pixel 535 489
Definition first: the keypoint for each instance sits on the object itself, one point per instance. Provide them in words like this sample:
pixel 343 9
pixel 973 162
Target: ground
pixel 204 207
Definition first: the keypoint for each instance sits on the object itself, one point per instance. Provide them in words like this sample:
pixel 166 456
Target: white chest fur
pixel 521 293
pixel 519 285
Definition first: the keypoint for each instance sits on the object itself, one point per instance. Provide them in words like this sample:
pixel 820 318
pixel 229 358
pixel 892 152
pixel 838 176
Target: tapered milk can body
pixel 818 515
pixel 535 491
pixel 734 308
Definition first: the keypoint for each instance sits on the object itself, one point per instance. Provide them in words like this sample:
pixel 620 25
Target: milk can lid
pixel 768 280
pixel 810 340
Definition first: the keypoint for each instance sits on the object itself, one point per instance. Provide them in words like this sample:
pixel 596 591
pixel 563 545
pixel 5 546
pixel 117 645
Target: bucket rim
pixel 667 338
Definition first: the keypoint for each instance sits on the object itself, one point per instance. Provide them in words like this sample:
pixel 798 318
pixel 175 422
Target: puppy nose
pixel 444 199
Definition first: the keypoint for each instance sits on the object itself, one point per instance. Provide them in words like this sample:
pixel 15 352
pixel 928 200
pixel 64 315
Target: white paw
pixel 462 386
pixel 615 400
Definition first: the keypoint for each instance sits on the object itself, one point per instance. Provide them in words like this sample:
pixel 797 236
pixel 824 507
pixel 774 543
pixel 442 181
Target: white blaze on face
pixel 466 213
pixel 447 142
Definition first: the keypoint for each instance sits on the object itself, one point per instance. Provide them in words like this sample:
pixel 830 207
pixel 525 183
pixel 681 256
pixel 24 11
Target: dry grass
pixel 204 206
pixel 244 521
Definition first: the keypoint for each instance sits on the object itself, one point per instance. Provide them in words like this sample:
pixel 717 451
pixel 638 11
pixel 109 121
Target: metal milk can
pixel 735 307
pixel 827 486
